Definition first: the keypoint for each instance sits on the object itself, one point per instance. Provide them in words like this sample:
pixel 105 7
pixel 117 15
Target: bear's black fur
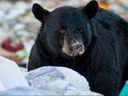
pixel 102 59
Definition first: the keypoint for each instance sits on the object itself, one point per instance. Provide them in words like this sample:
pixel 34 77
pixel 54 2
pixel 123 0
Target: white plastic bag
pixel 10 74
pixel 2 88
pixel 61 80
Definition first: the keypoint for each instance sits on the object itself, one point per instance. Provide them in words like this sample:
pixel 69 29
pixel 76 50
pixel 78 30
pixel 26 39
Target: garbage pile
pixel 42 81
pixel 18 29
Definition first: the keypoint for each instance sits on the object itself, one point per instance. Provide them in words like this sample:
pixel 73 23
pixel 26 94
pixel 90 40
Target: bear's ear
pixel 39 12
pixel 91 9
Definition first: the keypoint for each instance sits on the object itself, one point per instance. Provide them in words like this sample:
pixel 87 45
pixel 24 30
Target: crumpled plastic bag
pixel 61 80
pixel 27 91
pixel 10 75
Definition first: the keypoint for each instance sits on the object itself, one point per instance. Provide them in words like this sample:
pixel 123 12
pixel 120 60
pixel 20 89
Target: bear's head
pixel 66 29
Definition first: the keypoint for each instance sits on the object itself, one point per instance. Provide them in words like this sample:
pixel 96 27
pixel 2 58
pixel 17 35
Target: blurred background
pixel 19 28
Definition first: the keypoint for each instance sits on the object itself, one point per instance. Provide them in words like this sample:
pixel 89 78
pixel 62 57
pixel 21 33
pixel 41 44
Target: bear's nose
pixel 78 48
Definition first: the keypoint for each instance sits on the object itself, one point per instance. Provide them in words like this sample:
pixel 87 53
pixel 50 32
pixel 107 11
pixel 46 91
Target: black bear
pixel 89 40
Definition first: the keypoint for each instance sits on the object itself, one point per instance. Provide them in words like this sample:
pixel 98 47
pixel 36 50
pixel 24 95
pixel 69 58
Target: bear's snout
pixel 77 49
pixel 73 48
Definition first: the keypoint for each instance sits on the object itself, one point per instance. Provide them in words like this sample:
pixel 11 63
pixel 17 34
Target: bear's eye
pixel 62 31
pixel 80 29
